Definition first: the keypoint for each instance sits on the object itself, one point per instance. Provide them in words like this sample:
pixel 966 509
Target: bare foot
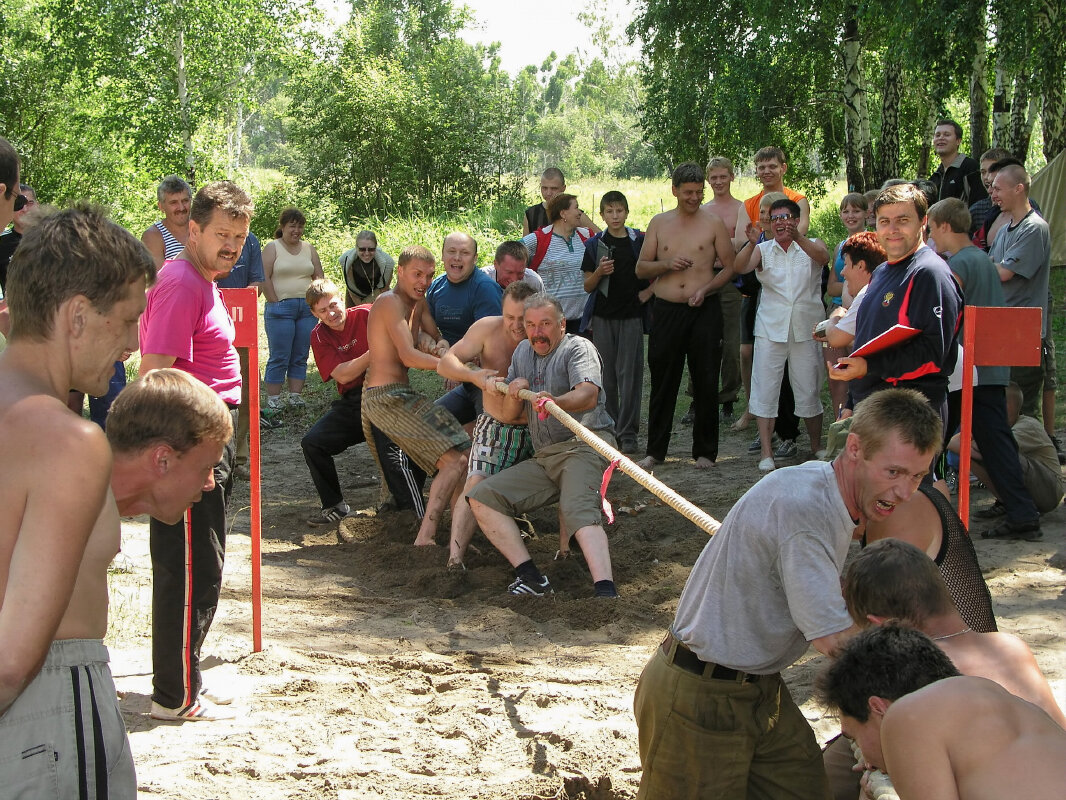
pixel 424 540
pixel 742 423
pixel 704 463
pixel 648 462
pixel 455 564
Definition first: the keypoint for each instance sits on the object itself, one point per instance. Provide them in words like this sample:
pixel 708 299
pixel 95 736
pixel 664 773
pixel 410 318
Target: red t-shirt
pixel 332 348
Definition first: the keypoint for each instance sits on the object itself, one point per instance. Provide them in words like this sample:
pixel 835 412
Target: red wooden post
pixel 991 337
pixel 244 309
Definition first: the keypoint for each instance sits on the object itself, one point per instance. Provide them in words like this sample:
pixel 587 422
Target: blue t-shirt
pixel 455 306
pixel 249 266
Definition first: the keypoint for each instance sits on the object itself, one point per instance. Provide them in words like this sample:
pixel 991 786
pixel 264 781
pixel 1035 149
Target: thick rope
pixel 878 784
pixel 644 478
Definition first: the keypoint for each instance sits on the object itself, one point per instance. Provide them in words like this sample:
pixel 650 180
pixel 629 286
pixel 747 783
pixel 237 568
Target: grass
pixel 493 223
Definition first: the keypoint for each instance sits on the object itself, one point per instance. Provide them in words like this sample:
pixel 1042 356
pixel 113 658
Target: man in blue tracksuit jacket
pixel 914 287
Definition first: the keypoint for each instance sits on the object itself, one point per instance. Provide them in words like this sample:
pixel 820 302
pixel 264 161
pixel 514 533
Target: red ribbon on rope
pixel 607 473
pixel 542 408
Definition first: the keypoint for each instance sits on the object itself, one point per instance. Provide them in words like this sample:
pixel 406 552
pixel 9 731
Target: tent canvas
pixel 1049 190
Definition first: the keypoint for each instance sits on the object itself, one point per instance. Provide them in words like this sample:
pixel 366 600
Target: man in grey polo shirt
pixel 714 718
pixel 1021 252
pixel 566 369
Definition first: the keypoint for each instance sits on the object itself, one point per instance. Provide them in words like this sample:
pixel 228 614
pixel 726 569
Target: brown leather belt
pixel 679 655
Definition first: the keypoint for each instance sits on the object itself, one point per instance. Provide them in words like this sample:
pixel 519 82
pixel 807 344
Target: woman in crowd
pixel 289 265
pixel 556 256
pixel 367 270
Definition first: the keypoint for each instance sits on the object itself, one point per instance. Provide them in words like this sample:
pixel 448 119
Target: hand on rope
pixel 545 404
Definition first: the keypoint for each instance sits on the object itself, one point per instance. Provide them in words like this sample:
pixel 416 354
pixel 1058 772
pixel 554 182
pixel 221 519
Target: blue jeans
pixel 288 326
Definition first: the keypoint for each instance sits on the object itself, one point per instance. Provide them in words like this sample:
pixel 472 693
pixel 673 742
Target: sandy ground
pixel 384 675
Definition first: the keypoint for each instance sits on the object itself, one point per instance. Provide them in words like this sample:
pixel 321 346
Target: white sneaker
pixel 201 711
pixel 274 402
pixel 296 400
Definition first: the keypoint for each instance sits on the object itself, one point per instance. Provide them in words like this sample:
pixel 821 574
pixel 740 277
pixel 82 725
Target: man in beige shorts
pixel 429 434
pixel 501 436
pixel 566 369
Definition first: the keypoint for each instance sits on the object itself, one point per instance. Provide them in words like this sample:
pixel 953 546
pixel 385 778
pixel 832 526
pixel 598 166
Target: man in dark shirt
pixel 619 296
pixel 913 288
pixel 9 240
pixel 958 175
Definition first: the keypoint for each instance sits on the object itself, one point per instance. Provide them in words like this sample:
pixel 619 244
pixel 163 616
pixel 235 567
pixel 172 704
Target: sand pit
pixel 385 675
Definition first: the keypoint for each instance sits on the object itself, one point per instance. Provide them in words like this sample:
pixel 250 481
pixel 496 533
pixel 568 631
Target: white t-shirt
pixel 530 277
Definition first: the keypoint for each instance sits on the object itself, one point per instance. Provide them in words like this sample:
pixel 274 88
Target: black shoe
pixel 994 511
pixel 521 586
pixel 690 415
pixel 1029 531
pixel 1058 449
pixel 727 411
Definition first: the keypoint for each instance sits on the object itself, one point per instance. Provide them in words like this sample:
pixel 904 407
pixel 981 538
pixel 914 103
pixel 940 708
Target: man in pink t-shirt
pixel 187 325
pixel 341 349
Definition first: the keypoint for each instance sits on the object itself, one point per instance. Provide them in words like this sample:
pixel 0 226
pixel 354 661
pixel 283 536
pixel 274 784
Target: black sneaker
pixel 1055 440
pixel 328 516
pixel 1029 531
pixel 994 511
pixel 521 586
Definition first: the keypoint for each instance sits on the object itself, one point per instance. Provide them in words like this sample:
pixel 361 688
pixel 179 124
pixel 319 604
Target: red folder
pixel 895 335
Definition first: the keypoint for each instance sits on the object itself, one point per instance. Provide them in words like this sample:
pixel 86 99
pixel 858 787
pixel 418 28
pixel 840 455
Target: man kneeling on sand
pixel 428 433
pixel 567 369
pixel 935 733
pixel 501 436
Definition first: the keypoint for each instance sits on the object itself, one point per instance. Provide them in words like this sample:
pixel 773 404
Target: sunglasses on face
pixel 20 202
pixel 782 217
pixel 367 249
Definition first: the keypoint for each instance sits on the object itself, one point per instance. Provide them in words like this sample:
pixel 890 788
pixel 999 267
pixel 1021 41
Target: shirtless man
pixel 770 168
pixel 430 435
pixel 168 237
pixel 937 734
pixel 68 328
pixel 680 248
pixel 735 218
pixel 166 431
pixel 501 437
pixel 893 580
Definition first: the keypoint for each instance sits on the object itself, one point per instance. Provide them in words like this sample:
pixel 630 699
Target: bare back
pixel 968 738
pixel 696 237
pixel 59 528
pixel 1007 660
pixel 389 322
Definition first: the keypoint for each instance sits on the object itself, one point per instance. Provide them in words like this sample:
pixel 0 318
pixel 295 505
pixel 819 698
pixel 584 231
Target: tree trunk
pixel 183 102
pixel 979 93
pixel 888 154
pixel 1021 126
pixel 1001 106
pixel 931 115
pixel 852 101
pixel 1051 23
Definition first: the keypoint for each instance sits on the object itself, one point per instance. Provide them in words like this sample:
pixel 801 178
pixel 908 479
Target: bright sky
pixel 527 33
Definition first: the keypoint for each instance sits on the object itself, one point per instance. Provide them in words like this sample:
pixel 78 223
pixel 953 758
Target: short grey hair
pixel 542 300
pixel 172 184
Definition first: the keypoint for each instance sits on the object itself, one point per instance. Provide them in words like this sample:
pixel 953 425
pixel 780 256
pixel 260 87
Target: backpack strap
pixel 544 238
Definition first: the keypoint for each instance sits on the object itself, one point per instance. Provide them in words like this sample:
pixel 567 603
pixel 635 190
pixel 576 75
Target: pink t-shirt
pixel 187 318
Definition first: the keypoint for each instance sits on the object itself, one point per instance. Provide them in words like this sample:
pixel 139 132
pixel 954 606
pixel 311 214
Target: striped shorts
pixel 64 735
pixel 418 427
pixel 497 446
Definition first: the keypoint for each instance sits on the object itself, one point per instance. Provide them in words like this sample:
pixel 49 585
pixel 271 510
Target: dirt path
pixel 383 675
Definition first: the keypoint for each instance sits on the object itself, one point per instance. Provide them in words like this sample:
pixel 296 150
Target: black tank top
pixel 959 567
